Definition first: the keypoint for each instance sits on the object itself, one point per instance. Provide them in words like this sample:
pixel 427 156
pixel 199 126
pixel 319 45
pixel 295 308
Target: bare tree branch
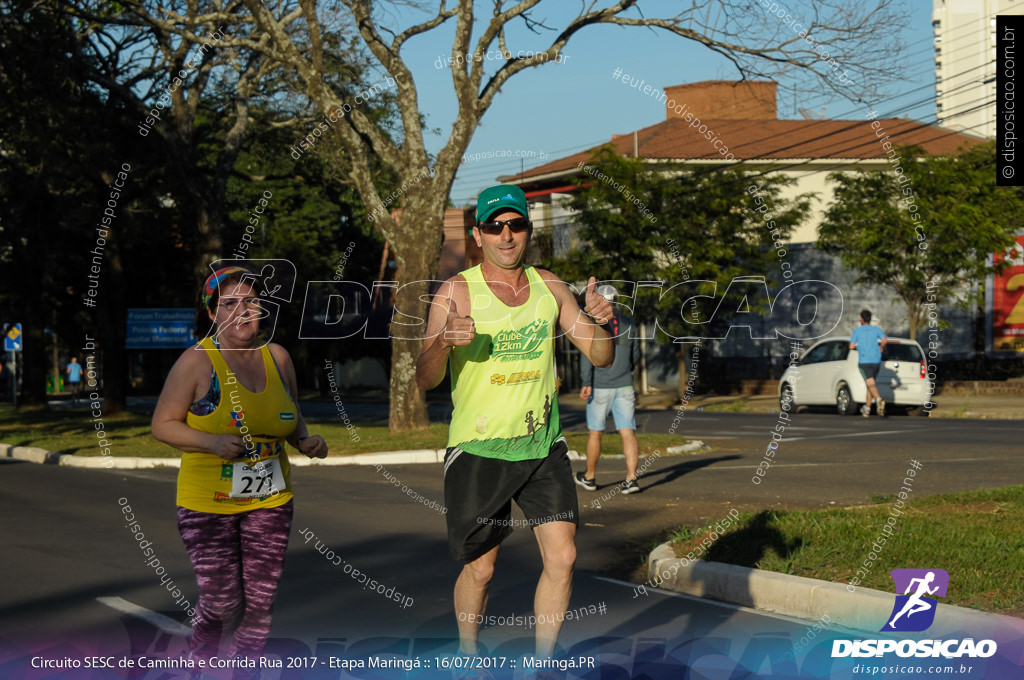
pixel 414 154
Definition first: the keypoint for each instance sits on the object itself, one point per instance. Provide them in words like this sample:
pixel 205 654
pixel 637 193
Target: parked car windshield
pixel 834 350
pixel 838 350
pixel 816 355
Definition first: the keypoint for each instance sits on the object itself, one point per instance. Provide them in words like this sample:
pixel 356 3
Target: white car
pixel 827 374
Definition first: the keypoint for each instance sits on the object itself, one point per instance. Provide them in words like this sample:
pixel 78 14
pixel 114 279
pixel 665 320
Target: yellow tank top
pixel 262 477
pixel 503 383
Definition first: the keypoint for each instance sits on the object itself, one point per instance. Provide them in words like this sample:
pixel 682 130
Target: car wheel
pixel 786 398
pixel 844 402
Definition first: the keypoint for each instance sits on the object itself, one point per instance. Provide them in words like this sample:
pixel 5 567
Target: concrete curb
pixel 112 463
pixel 863 609
pixel 31 454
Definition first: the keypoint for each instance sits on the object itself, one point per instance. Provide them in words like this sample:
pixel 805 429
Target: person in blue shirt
pixel 869 341
pixel 74 373
pixel 611 389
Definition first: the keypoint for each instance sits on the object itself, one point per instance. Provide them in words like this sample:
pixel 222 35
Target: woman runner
pixel 229 405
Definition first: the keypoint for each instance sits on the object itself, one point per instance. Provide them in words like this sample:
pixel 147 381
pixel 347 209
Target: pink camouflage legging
pixel 238 560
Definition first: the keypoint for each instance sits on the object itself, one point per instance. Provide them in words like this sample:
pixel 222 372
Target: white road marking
pixel 164 623
pixel 912 431
pixel 933 461
pixel 732 433
pixel 852 434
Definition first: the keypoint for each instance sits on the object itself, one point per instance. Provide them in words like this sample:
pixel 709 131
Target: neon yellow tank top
pixel 209 483
pixel 503 383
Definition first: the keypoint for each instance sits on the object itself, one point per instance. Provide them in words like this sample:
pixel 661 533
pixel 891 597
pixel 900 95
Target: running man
pixel 915 604
pixel 496 324
pixel 74 372
pixel 869 341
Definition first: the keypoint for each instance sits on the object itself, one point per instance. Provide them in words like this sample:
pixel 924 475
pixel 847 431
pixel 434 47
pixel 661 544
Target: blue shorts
pixel 620 401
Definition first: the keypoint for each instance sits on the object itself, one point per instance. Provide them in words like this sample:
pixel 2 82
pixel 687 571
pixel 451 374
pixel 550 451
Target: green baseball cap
pixel 498 198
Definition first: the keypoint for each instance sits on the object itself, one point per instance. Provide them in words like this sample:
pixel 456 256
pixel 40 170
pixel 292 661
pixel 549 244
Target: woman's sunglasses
pixel 515 225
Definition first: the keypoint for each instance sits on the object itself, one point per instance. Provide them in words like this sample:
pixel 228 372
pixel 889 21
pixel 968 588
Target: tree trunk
pixel 32 359
pixel 915 310
pixel 111 331
pixel 210 244
pixel 417 257
pixel 681 365
pixel 408 403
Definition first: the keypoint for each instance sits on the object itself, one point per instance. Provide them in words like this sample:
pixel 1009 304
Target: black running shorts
pixel 478 493
pixel 869 370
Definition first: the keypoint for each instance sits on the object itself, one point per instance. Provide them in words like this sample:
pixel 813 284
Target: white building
pixel 965 62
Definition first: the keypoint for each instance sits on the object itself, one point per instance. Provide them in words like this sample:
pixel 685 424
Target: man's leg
pixel 879 402
pixel 868 372
pixel 471 590
pixel 597 415
pixel 623 408
pixel 593 453
pixel 873 389
pixel 557 541
pixel 631 449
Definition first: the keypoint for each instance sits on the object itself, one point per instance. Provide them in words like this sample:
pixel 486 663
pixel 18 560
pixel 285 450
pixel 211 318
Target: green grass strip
pixel 73 432
pixel 976 536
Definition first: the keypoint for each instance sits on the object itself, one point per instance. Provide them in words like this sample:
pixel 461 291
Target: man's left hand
pixel 599 309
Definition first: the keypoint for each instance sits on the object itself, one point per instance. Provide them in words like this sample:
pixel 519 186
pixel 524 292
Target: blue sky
pixel 559 109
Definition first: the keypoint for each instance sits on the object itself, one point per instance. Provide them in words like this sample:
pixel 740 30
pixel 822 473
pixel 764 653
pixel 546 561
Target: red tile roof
pixel 675 139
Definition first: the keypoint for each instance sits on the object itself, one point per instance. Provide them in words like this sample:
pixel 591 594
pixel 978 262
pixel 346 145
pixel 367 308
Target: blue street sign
pixel 160 328
pixel 13 339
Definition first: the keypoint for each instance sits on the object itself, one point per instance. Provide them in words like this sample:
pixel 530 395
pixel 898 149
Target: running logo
pixel 521 345
pixel 922 582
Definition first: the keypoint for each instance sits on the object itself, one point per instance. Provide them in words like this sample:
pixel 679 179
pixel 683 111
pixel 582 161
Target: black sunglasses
pixel 515 225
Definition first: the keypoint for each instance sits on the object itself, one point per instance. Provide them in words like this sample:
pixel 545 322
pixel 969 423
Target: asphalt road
pixel 66 545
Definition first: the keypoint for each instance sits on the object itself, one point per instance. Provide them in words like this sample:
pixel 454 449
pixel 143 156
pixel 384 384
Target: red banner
pixel 1004 301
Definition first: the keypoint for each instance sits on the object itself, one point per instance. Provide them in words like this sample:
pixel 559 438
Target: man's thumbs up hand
pixel 599 309
pixel 458 330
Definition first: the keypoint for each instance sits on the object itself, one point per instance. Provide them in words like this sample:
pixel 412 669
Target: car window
pixel 838 351
pixel 901 352
pixel 817 354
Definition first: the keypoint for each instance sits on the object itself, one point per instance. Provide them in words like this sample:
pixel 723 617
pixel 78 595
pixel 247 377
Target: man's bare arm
pixel 446 328
pixel 583 327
